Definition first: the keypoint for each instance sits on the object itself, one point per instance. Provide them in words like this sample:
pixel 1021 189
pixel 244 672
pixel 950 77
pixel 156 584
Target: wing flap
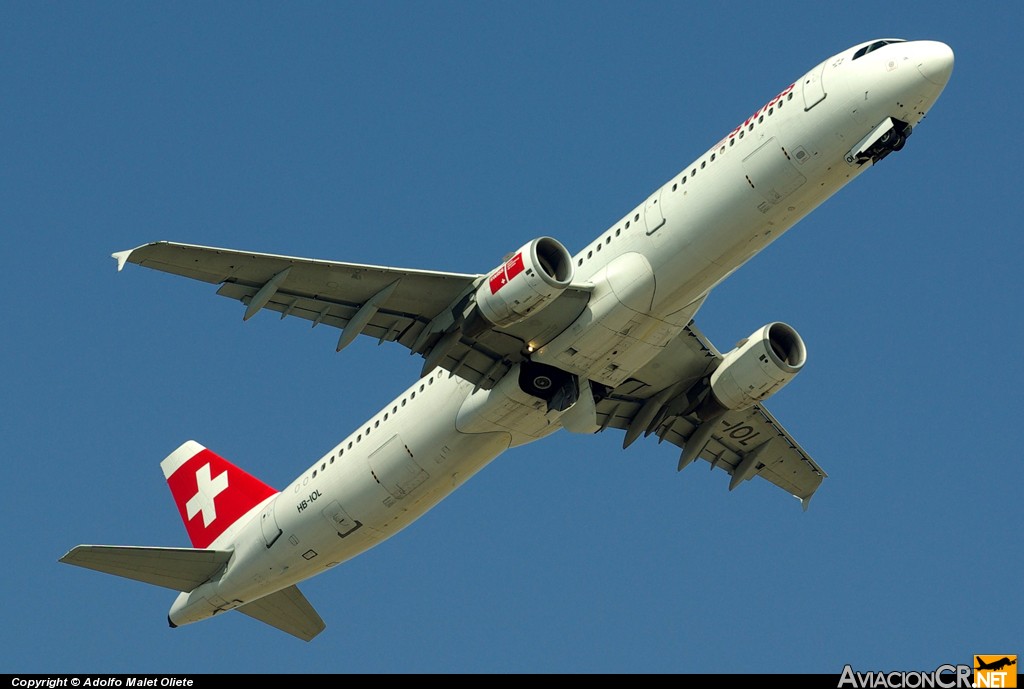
pixel 471 359
pixel 287 610
pixel 179 569
pixel 386 325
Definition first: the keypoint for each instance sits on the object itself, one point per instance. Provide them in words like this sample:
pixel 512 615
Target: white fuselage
pixel 649 274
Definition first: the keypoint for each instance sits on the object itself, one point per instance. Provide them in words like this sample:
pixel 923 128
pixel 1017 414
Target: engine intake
pixel 758 367
pixel 526 283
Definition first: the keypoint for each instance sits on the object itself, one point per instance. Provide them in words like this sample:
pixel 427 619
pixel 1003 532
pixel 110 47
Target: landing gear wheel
pixel 541 380
pixel 892 140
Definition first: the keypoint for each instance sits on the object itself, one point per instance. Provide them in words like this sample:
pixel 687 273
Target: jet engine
pixel 527 282
pixel 758 367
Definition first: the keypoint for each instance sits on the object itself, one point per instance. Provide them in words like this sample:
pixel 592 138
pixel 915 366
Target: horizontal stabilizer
pixel 289 611
pixel 180 569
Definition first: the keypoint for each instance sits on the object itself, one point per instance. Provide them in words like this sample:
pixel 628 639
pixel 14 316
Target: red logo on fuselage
pixel 758 112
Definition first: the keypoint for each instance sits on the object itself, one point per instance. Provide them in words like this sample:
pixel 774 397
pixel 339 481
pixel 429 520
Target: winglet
pixel 121 257
pixel 805 502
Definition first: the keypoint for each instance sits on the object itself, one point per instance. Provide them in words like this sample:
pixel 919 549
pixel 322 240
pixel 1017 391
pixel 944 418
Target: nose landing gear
pixel 894 140
pixel 890 135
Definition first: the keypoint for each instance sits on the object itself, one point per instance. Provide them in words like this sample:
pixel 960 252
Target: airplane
pixel 602 339
pixel 996 664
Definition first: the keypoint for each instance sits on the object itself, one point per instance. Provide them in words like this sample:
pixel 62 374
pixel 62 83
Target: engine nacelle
pixel 759 366
pixel 526 283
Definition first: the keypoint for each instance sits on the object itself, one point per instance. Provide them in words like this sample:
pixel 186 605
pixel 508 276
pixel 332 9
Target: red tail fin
pixel 211 493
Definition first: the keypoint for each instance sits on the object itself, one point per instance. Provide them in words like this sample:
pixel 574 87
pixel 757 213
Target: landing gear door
pixel 581 417
pixel 814 87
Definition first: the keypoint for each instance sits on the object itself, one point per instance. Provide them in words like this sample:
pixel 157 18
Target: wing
pixel 417 308
pixel 744 443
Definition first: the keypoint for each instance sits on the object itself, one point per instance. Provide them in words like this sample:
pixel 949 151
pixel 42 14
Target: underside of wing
pixel 422 310
pixel 660 401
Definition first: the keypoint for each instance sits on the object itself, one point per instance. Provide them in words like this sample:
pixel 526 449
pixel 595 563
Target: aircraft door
pixel 770 172
pixel 395 469
pixel 268 523
pixel 652 213
pixel 814 87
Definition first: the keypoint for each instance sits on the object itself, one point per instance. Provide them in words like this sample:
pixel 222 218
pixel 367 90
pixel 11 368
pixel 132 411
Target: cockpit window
pixel 875 46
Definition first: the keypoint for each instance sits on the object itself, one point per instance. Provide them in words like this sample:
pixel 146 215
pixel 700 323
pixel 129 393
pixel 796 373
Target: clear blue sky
pixel 442 136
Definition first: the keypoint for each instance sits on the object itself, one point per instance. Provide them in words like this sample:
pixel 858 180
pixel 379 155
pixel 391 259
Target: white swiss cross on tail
pixel 207 490
pixel 210 492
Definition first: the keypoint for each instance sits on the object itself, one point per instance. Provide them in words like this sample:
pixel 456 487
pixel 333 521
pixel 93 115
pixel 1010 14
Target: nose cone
pixel 935 62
